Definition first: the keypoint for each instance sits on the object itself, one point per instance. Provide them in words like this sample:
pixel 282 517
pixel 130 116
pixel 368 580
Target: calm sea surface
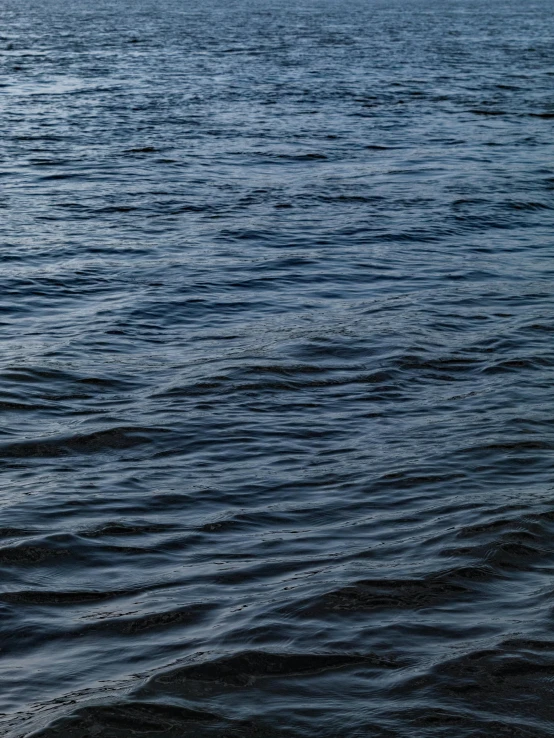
pixel 277 369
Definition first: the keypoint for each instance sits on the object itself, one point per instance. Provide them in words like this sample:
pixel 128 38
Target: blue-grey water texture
pixel 277 369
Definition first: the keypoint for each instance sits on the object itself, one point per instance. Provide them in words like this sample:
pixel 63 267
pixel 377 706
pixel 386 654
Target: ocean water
pixel 277 369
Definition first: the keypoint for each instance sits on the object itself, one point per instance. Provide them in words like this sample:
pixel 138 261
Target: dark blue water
pixel 277 369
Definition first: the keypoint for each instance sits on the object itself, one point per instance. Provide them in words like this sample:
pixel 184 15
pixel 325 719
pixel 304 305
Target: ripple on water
pixel 275 384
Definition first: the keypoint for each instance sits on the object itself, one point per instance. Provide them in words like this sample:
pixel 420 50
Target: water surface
pixel 277 397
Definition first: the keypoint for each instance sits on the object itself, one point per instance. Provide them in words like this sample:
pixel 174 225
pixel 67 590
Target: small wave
pixel 142 150
pixel 177 617
pixel 111 439
pixel 386 594
pixel 62 599
pixel 245 668
pixel 32 553
pixel 487 111
pixel 126 529
pixel 546 116
pixel 495 678
pixel 135 718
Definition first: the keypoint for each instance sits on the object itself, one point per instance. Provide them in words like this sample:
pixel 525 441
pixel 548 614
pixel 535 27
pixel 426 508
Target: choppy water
pixel 277 386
